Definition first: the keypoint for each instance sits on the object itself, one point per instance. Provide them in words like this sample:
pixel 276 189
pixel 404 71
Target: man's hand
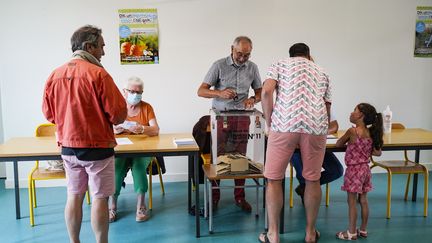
pixel 249 103
pixel 266 130
pixel 227 94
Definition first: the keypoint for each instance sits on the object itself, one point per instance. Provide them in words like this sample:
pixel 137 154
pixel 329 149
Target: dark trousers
pixel 232 137
pixel 332 168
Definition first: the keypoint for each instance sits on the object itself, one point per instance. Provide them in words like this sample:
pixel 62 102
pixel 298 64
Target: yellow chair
pixel 404 166
pixel 154 161
pixel 37 173
pixel 291 202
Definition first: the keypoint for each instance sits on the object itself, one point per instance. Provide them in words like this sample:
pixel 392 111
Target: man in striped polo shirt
pixel 298 118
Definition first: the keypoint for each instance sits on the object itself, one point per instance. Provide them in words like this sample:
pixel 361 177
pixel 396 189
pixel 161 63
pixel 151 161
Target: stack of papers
pixel 331 136
pixel 128 124
pixel 183 141
pixel 237 164
pixel 123 141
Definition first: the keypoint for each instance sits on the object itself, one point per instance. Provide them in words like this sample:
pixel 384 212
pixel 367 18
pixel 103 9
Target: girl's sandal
pixel 361 233
pixel 346 235
pixel 112 215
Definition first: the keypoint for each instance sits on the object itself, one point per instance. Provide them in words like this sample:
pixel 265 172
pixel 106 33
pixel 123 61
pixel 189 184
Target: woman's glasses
pixel 134 91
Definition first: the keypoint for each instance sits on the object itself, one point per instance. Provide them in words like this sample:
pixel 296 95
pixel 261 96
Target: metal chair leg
pixel 257 202
pixel 210 209
pixel 150 185
pixel 407 187
pixel 389 188
pixel 34 193
pixel 426 189
pixel 88 197
pixel 327 195
pixel 205 197
pixel 160 178
pixel 30 194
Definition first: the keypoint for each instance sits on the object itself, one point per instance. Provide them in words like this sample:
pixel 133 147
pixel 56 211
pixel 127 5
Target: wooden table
pixel 45 148
pixel 414 139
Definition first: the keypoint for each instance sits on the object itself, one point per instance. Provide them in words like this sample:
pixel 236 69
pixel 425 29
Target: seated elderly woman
pixel 140 120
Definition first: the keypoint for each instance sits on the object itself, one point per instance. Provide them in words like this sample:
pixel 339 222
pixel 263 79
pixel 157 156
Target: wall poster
pixel 139 38
pixel 423 34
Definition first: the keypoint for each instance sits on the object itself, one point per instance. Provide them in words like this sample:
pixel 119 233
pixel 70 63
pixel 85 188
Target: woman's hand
pixel 118 129
pixel 138 129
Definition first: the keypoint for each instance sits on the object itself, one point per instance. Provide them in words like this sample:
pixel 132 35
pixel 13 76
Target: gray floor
pixel 170 221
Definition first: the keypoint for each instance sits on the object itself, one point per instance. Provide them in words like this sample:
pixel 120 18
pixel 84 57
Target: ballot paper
pixel 128 124
pixel 183 141
pixel 123 141
pixel 331 136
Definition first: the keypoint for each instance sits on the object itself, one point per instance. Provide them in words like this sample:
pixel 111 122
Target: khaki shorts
pixel 281 146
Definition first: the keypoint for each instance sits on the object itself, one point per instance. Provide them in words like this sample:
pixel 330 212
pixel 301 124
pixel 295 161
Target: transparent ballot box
pixel 237 141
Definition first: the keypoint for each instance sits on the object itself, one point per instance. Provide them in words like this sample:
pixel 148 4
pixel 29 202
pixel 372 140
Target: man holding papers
pixel 140 120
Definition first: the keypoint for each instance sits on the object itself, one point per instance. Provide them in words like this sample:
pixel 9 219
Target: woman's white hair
pixel 134 81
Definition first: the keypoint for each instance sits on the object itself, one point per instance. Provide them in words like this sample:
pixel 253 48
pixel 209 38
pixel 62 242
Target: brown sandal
pixel 142 215
pixel 112 215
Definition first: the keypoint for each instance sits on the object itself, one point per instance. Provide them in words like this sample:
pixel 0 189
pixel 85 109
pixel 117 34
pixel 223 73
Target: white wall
pixel 2 165
pixel 366 46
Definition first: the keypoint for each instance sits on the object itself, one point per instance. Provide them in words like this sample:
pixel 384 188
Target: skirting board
pixel 9 183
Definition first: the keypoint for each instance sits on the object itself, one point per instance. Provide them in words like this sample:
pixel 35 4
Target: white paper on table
pixel 123 141
pixel 128 124
pixel 331 136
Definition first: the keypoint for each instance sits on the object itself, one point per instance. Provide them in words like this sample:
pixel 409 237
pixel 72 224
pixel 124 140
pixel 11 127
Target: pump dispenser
pixel 387 119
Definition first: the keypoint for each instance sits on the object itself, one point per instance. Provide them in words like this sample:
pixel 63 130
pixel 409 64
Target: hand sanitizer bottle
pixel 387 117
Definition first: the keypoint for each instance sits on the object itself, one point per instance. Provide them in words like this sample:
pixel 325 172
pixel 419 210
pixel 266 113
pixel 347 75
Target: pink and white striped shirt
pixel 303 88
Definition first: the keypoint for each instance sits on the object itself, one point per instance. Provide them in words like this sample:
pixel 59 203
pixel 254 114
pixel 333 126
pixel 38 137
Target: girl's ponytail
pixel 376 131
pixel 374 122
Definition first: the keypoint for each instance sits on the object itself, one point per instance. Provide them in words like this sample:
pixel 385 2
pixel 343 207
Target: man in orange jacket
pixel 81 98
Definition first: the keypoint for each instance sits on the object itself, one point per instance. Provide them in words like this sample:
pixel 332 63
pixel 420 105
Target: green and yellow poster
pixel 139 38
pixel 423 32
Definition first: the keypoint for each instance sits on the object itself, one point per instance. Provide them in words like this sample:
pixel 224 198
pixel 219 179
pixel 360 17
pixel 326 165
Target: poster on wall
pixel 139 38
pixel 423 34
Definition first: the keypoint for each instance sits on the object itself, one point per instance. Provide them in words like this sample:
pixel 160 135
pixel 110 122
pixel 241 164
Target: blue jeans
pixel 332 168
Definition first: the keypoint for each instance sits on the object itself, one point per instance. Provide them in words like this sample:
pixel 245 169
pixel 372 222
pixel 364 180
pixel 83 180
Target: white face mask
pixel 133 99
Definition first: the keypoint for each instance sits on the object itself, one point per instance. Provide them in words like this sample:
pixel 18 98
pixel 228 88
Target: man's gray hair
pixel 87 34
pixel 134 81
pixel 239 39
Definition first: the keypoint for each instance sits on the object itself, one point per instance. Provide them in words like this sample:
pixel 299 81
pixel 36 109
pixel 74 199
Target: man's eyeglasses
pixel 134 91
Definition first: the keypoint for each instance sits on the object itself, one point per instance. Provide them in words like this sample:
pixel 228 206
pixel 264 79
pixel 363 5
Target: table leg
pixel 17 196
pixel 415 178
pixel 197 205
pixel 190 172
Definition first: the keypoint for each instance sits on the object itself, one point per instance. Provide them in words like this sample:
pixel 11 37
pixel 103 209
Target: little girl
pixel 364 140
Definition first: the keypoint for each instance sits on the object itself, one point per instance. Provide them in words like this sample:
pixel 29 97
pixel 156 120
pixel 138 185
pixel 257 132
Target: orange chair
pixel 38 173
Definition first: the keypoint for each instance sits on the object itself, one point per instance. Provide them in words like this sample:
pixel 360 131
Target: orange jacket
pixel 84 102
